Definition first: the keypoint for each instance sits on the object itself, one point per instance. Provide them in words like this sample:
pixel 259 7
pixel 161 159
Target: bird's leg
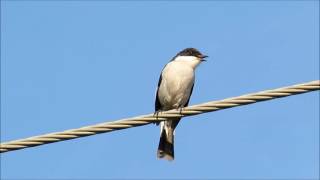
pixel 180 110
pixel 156 113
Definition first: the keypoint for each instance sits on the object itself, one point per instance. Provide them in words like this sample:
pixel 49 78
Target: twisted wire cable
pixel 162 116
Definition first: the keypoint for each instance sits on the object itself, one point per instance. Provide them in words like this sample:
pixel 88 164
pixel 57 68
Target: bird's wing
pixel 187 103
pixel 157 106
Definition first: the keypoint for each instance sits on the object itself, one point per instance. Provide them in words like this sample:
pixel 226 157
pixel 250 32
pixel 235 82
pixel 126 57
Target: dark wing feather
pixel 189 96
pixel 157 106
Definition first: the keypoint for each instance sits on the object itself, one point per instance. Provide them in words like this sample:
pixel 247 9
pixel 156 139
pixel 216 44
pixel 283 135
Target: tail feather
pixel 166 143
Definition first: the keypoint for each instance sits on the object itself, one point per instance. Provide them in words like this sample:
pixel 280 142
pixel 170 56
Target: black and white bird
pixel 174 90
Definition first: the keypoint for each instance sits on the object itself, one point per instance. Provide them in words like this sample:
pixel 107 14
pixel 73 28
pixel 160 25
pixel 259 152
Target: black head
pixel 191 52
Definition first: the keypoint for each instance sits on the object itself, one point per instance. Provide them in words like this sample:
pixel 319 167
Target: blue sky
pixel 68 64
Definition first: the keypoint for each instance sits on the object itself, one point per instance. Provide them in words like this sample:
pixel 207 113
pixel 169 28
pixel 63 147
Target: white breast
pixel 176 84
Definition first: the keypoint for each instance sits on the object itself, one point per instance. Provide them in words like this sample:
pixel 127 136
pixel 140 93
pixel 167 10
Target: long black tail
pixel 166 143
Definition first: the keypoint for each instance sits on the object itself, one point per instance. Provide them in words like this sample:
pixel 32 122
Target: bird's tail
pixel 166 143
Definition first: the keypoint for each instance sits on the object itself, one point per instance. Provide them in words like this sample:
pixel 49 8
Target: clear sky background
pixel 69 64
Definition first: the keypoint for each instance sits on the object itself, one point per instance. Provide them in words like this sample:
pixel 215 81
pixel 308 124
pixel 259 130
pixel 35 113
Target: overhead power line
pixel 165 115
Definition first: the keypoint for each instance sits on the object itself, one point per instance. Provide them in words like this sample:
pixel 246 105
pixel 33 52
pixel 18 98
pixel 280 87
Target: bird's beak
pixel 202 57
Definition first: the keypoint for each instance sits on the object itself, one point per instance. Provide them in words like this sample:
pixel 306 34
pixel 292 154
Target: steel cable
pixel 162 116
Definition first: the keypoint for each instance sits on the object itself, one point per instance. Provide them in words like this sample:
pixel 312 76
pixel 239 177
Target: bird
pixel 174 90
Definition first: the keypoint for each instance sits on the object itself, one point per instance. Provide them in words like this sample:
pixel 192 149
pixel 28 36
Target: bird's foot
pixel 156 114
pixel 180 110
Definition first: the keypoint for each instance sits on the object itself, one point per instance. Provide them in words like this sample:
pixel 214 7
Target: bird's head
pixel 190 55
pixel 192 52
